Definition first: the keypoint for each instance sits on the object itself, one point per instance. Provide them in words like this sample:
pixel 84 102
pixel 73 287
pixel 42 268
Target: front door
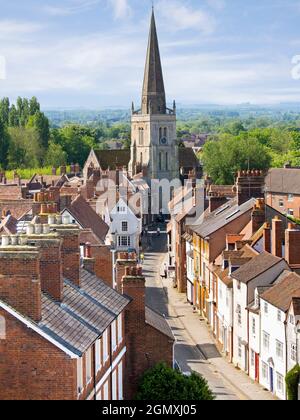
pixel 271 379
pixel 256 367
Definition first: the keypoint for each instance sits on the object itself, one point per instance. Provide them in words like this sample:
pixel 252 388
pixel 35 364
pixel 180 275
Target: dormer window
pixel 225 264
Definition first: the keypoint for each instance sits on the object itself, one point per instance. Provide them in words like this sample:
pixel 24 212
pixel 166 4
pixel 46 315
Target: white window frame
pixel 279 319
pixel 114 344
pixel 120 329
pixel 293 352
pixel 124 226
pixel 88 366
pixel 98 355
pixel 240 348
pixel 279 383
pixel 105 347
pixel 265 371
pixel 290 198
pixel 266 308
pixel 279 349
pixel 239 314
pixel 120 382
pixel 266 340
pixel 79 375
pixel 253 326
pixel 252 358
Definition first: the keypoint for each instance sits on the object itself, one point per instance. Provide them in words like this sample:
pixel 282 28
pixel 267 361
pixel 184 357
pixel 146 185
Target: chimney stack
pixel 124 260
pixel 292 246
pixel 20 284
pixel 216 201
pixel 258 215
pixel 277 237
pixel 88 260
pixel 249 184
pixel 267 238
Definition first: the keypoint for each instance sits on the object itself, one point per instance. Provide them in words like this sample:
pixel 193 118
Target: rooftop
pixel 283 292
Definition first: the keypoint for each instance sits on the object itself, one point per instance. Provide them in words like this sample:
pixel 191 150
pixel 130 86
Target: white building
pixel 275 355
pixel 293 334
pixel 125 227
pixel 262 270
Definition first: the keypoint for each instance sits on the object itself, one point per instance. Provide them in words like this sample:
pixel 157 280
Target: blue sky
pixel 91 53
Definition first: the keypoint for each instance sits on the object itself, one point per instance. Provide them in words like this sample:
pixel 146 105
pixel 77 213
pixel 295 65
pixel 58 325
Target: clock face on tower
pixel 163 141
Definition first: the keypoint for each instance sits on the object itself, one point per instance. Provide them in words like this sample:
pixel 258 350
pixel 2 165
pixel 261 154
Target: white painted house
pixel 275 305
pixel 262 270
pixel 125 227
pixel 293 334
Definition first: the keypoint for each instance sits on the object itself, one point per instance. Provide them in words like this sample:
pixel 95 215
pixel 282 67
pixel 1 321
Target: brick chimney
pixel 124 260
pixel 216 201
pixel 70 249
pixel 267 238
pixel 103 263
pixel 20 284
pixel 88 260
pixel 258 215
pixel 249 184
pixel 277 236
pixel 292 246
pixel 133 285
pixel 49 246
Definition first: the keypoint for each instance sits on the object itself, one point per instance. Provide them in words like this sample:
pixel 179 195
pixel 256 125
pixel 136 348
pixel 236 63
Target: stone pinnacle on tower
pixel 153 96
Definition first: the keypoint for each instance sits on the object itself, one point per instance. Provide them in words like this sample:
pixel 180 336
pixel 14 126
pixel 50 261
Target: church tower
pixel 154 147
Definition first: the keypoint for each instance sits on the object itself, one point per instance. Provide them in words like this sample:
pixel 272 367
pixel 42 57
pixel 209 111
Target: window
pixel 114 336
pixel 253 326
pixel 88 366
pixel 165 132
pixel 265 371
pixel 105 346
pixel 281 203
pixel 266 308
pixel 291 212
pixel 252 358
pixel 120 381
pixel 2 328
pixel 141 136
pixel 124 226
pixel 121 209
pixel 238 285
pixel 114 385
pixel 294 352
pixel 106 391
pixel 279 315
pixel 98 355
pixel 124 241
pixel 291 198
pixel 239 314
pixel 120 329
pixel 160 161
pixel 292 320
pixel 240 350
pixel 266 340
pixel 79 375
pixel 279 349
pixel 160 133
pixel 167 162
pixel 280 383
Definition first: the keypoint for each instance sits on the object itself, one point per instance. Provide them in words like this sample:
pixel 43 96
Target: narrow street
pixel 194 349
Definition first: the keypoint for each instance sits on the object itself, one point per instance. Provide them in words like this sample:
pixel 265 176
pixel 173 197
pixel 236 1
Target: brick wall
pixel 32 368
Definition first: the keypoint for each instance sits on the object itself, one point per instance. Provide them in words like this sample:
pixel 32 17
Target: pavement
pixel 195 348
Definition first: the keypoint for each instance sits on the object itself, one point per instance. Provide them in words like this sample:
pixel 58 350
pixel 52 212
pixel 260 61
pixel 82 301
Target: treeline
pixel 28 140
pixel 235 147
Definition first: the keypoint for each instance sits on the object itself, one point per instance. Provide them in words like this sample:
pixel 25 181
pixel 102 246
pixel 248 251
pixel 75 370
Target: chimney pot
pixel 5 240
pixel 30 229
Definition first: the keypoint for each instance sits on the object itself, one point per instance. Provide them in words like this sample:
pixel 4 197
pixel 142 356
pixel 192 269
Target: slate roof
pixel 286 181
pixel 282 293
pixel 88 218
pixel 255 267
pixel 158 322
pixel 113 158
pixel 187 158
pixel 84 314
pixel 221 217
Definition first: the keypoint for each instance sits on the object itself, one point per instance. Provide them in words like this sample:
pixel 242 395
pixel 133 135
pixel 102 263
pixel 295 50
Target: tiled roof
pixel 296 306
pixel 88 218
pixel 285 181
pixel 282 293
pixel 256 266
pixel 98 290
pixel 187 158
pixel 158 322
pixel 113 158
pixel 221 217
pixel 84 314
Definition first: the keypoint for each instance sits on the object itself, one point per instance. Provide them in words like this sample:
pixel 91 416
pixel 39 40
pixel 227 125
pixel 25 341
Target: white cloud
pixel 13 29
pixel 181 17
pixel 121 8
pixel 216 4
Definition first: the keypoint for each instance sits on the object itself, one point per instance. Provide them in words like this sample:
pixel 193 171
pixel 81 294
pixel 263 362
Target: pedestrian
pixel 142 258
pixel 166 271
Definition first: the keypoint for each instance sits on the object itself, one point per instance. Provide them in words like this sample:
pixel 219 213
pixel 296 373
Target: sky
pixel 91 53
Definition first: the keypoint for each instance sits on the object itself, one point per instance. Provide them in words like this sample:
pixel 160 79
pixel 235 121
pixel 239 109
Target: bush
pixel 292 380
pixel 162 383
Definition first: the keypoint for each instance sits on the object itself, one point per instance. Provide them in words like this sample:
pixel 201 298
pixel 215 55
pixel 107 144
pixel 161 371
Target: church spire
pixel 154 96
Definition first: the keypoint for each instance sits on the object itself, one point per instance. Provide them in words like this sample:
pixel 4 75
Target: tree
pixel 40 123
pixel 77 142
pixel 162 383
pixel 292 381
pixel 223 158
pixel 4 144
pixel 55 156
pixel 4 111
pixel 24 150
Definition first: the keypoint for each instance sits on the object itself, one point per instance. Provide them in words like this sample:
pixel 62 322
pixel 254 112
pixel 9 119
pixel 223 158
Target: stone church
pixel 155 151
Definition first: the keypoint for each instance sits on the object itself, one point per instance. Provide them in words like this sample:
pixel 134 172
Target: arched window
pixel 160 161
pixel 167 161
pixel 2 328
pixel 141 136
pixel 160 133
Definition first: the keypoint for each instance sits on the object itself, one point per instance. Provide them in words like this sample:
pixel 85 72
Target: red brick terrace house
pixel 61 328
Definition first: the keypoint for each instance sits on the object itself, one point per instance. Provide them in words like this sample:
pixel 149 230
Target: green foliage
pixel 55 155
pixel 24 150
pixel 292 380
pixel 28 173
pixel 224 157
pixel 165 384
